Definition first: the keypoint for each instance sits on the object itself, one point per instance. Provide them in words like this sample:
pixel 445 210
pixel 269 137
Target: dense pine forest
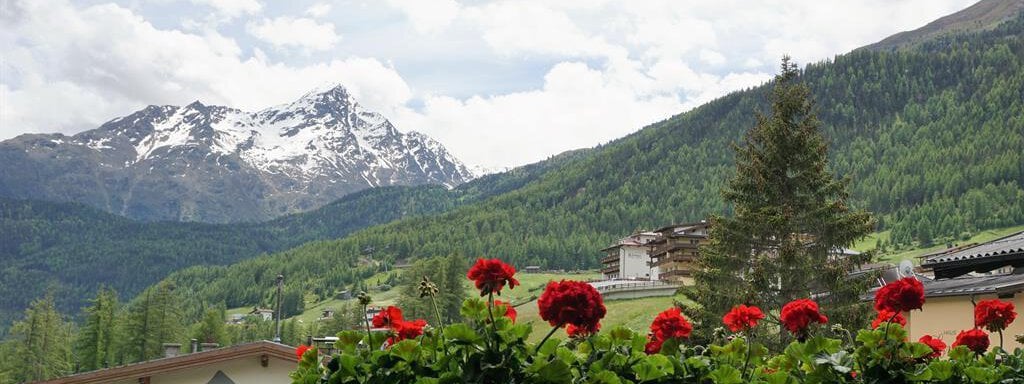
pixel 929 138
pixel 69 249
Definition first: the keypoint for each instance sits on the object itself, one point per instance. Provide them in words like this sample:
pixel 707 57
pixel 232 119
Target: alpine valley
pixel 928 130
pixel 217 164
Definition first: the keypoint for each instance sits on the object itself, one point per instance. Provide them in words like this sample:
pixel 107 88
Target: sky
pixel 499 83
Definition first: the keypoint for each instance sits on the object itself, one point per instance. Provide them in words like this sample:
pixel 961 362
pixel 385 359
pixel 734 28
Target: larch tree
pixel 96 342
pixel 41 347
pixel 789 223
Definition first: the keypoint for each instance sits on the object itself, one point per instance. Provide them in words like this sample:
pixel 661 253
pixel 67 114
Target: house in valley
pixel 628 259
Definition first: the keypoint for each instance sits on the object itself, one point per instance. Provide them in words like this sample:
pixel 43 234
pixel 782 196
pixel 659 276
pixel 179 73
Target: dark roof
pixel 1002 246
pixel 168 364
pixel 974 285
pixel 1006 251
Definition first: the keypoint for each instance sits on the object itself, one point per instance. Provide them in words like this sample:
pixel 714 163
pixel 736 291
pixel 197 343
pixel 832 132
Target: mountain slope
pixel 930 138
pixel 72 249
pixel 983 15
pixel 218 164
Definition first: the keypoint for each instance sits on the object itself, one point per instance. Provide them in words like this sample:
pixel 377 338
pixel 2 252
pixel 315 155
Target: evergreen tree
pixel 790 216
pixel 153 320
pixel 212 328
pixel 95 345
pixel 40 350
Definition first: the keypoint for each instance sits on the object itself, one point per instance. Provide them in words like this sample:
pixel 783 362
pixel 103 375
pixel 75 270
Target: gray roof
pixel 1003 246
pixel 974 285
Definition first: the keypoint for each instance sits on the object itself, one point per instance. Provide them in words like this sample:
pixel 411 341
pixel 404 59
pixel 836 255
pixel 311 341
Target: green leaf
pixel 941 370
pixel 921 374
pixel 726 374
pixel 605 377
pixel 555 372
pixel 653 367
pixel 917 350
pixel 474 308
pixel 407 350
pixel 549 346
pixel 348 340
pixel 779 378
pixel 462 334
pixel 981 375
pixel 347 365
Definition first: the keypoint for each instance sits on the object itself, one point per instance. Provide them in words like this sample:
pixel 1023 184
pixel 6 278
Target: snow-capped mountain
pixel 219 164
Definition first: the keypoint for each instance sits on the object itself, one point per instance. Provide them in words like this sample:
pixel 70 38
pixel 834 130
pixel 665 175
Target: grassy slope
pixel 895 255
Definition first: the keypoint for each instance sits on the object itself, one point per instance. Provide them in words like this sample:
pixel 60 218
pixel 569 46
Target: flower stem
pixel 548 336
pixel 746 360
pixel 440 325
pixel 369 337
pixel 1001 340
pixel 886 337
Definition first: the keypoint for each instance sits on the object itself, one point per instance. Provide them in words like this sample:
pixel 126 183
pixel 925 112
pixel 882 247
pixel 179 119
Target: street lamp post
pixel 277 312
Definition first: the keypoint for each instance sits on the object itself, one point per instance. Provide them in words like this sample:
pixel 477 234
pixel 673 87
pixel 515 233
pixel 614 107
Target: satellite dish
pixel 906 268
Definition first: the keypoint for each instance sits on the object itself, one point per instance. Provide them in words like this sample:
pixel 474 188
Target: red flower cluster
pixel 975 340
pixel 491 275
pixel 571 302
pixel 391 317
pixel 388 317
pixel 885 316
pixel 670 324
pixel 994 315
pixel 301 350
pixel 581 333
pixel 653 346
pixel 798 314
pixel 936 344
pixel 902 295
pixel 742 318
pixel 409 329
pixel 510 311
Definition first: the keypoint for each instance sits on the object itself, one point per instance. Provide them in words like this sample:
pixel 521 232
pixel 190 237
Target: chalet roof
pixel 1008 250
pixel 169 364
pixel 974 285
pixel 702 223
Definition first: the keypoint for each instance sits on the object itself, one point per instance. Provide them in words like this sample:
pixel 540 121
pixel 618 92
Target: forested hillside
pixel 71 249
pixel 930 139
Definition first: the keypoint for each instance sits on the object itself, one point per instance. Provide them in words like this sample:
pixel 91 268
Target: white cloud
pixel 578 106
pixel 63 73
pixel 428 16
pixel 286 31
pixel 581 72
pixel 319 10
pixel 233 8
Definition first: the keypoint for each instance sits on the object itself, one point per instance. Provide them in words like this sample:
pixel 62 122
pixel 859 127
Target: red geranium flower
pixel 937 345
pixel 653 346
pixel 580 332
pixel 510 311
pixel 975 340
pixel 902 295
pixel 409 329
pixel 884 316
pixel 798 314
pixel 670 324
pixel 742 318
pixel 491 275
pixel 571 302
pixel 994 315
pixel 301 350
pixel 387 317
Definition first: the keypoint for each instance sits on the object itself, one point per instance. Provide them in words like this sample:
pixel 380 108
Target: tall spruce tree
pixel 96 342
pixel 790 218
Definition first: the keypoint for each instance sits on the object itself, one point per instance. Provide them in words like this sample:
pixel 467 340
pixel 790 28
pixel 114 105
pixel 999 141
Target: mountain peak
pixel 198 161
pixel 983 15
